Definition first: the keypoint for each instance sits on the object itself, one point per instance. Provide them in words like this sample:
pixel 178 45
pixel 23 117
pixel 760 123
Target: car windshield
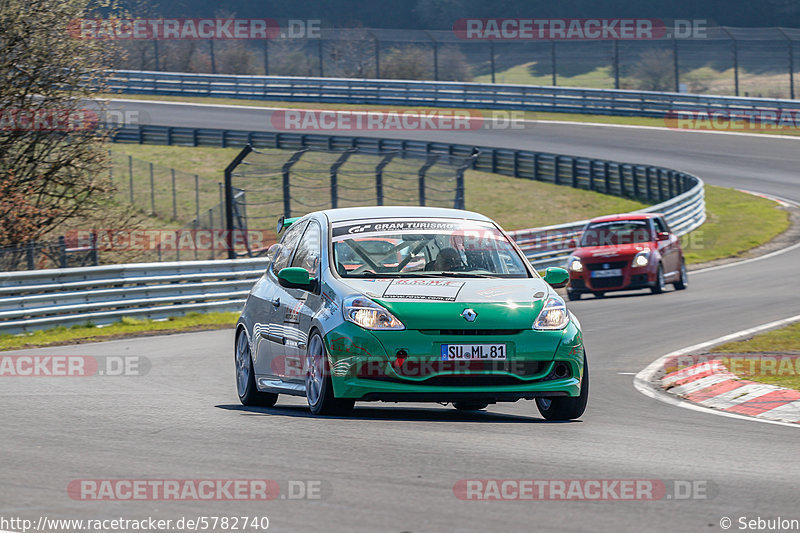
pixel 616 232
pixel 397 248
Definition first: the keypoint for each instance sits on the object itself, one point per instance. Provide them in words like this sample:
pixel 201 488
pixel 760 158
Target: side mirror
pixel 556 277
pixel 662 236
pixel 296 278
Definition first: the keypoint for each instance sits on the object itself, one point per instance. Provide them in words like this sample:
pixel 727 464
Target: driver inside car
pixel 448 259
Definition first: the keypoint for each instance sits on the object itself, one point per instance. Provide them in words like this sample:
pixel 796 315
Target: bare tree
pixel 655 71
pixel 52 160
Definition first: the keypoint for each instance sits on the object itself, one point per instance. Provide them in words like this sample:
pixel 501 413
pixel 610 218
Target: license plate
pixel 470 352
pixel 610 273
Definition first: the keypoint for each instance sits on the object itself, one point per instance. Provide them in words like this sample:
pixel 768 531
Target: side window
pixel 307 255
pixel 660 225
pixel 288 245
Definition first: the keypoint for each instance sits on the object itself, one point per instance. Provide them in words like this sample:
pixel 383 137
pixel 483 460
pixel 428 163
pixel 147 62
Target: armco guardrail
pixel 38 299
pixel 679 195
pixel 438 94
pixel 62 297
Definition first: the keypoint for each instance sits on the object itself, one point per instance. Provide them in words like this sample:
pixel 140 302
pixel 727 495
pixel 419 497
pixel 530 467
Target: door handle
pixel 276 302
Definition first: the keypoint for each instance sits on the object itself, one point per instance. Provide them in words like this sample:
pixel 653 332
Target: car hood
pixel 608 252
pixel 438 303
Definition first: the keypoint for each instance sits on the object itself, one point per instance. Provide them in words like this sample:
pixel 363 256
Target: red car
pixel 624 252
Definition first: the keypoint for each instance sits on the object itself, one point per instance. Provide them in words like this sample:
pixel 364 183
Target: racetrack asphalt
pixel 393 467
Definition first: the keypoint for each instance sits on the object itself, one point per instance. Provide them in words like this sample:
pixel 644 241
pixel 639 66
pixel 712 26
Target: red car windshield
pixel 617 232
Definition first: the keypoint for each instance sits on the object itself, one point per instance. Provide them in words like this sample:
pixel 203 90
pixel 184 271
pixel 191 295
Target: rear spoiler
pixel 284 222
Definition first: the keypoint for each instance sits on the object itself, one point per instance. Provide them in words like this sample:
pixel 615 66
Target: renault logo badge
pixel 469 315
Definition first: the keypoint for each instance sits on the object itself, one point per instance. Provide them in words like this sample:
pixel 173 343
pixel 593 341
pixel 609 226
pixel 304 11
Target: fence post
pixel 648 184
pixel 491 57
pixel 536 166
pixel 377 56
pixel 287 198
pixel 93 256
pixel 591 174
pixel 435 57
pixel 213 58
pixel 266 57
pixel 155 52
pixel 130 175
pixel 174 200
pixel 615 48
pixel 553 61
pixel 222 206
pixel 110 168
pixel 152 191
pixel 675 64
pixel 320 54
pixel 735 59
pixel 606 178
pixel 379 176
pixel 30 253
pixel 228 224
pixel 432 158
pixel 62 252
pixel 196 199
pixel 791 62
pixel 335 173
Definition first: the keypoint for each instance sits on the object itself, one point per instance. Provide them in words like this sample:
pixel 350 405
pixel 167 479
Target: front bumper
pixel 639 278
pixel 406 366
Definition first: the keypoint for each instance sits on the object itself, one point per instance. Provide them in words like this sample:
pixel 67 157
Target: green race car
pixel 408 304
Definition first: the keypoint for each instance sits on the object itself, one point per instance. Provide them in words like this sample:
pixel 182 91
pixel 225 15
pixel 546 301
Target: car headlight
pixel 364 312
pixel 554 315
pixel 641 259
pixel 574 264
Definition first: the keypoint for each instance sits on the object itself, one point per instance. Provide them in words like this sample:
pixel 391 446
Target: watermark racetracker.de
pixel 174 490
pixel 73 366
pixel 609 490
pixel 138 29
pixel 395 120
pixel 580 29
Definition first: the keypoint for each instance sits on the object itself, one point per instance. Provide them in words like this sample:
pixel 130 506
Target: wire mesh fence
pixel 267 184
pixel 717 60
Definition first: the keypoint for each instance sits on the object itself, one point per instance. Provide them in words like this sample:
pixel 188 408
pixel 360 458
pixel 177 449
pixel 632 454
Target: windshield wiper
pixel 448 274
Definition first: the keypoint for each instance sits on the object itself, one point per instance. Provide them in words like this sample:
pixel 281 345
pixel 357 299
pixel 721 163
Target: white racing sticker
pixel 424 289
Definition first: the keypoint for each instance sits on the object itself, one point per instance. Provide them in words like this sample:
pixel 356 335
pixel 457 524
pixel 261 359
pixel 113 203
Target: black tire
pixel 600 294
pixel 325 403
pixel 470 406
pixel 572 295
pixel 683 281
pixel 247 390
pixel 562 408
pixel 659 285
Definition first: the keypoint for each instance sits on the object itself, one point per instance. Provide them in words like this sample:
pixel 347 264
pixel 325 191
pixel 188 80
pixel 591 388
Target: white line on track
pixel 643 380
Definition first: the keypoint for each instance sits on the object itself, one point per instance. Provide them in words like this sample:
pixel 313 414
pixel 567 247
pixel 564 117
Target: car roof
pixel 389 211
pixel 625 216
